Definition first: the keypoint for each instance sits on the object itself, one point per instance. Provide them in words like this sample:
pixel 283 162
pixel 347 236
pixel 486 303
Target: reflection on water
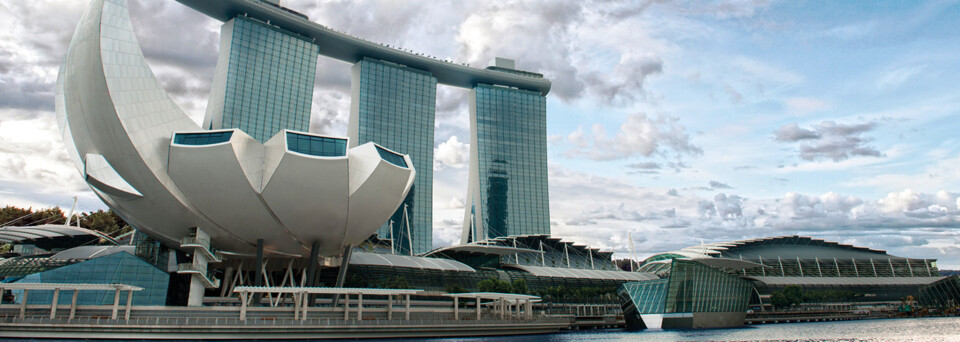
pixel 907 329
pixel 916 329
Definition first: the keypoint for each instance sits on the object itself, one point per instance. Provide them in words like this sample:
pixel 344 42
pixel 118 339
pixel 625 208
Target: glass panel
pixel 316 146
pixel 202 138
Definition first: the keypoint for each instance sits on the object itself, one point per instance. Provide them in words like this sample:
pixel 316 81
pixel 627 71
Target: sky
pixel 672 122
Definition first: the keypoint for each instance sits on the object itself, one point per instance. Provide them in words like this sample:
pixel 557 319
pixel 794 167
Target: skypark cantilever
pixel 350 49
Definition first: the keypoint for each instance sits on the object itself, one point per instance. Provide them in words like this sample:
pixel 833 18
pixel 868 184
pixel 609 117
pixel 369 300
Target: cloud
pixel 451 153
pixel 638 135
pixel 717 185
pixel 829 140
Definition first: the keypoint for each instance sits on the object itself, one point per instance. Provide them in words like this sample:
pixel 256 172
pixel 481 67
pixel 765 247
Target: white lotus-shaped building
pixel 166 176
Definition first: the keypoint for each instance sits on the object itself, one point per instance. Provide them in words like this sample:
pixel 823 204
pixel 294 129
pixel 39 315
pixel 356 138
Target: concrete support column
pixel 296 306
pixel 126 315
pixel 503 310
pixel 53 304
pixel 258 272
pixel 407 313
pixel 304 297
pixel 389 307
pixel 73 304
pixel 243 306
pixel 359 306
pixel 346 306
pixel 456 308
pixel 116 304
pixel 478 307
pixel 23 304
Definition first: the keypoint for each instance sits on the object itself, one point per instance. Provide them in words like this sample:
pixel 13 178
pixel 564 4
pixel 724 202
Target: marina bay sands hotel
pixel 264 83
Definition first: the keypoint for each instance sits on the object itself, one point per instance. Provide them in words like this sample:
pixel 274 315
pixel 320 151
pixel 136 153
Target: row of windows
pixel 202 138
pixel 269 81
pixel 511 140
pixel 316 146
pixel 396 110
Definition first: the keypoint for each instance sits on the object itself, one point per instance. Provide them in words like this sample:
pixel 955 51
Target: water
pixel 914 329
pixel 909 329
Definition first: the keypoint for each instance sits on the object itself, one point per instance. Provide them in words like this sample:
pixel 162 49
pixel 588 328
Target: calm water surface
pixel 916 329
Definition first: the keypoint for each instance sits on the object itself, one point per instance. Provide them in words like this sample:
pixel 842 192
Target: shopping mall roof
pixel 786 247
pixel 50 235
pixel 846 281
pixel 395 260
pixel 577 273
pixel 481 249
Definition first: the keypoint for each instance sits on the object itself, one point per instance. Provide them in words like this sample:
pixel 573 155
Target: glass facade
pixel 690 287
pixel 391 157
pixel 267 85
pixel 507 194
pixel 117 268
pixel 395 106
pixel 202 138
pixel 943 294
pixel 316 146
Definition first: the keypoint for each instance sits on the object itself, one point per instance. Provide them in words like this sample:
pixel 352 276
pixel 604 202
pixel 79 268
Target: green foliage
pixel 107 222
pixel 494 285
pixel 794 294
pixel 10 213
pixel 395 283
pixel 454 288
pixel 790 296
pixel 354 280
pixel 831 296
pixel 580 293
pixel 519 286
pixel 5 248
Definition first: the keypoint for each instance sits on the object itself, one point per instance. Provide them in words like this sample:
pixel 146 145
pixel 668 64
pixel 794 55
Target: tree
pixel 494 285
pixel 14 216
pixel 396 283
pixel 454 288
pixel 519 286
pixel 790 296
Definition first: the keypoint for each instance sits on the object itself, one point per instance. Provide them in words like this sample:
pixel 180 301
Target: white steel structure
pixel 165 175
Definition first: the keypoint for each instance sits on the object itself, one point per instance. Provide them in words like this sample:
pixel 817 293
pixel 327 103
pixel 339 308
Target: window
pixel 391 157
pixel 202 138
pixel 316 146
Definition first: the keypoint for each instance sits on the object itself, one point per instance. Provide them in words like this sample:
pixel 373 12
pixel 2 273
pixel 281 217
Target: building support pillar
pixel 456 308
pixel 407 313
pixel 116 304
pixel 478 308
pixel 23 304
pixel 243 306
pixel 360 306
pixel 342 274
pixel 53 304
pixel 258 272
pixel 311 280
pixel 126 315
pixel 346 306
pixel 73 304
pixel 389 307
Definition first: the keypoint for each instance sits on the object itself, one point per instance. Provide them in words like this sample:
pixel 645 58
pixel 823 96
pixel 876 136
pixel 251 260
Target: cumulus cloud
pixel 829 140
pixel 451 153
pixel 638 135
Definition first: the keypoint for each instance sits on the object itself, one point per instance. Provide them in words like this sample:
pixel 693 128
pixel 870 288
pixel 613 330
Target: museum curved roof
pixel 351 49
